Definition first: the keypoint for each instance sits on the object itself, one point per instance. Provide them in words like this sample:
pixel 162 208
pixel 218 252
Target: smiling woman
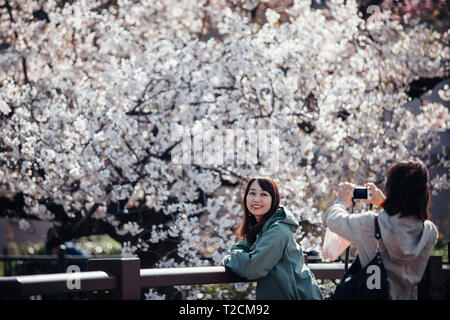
pixel 267 250
pixel 261 200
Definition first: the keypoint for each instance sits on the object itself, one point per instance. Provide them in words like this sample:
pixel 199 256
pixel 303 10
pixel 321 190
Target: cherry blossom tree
pixel 432 12
pixel 99 98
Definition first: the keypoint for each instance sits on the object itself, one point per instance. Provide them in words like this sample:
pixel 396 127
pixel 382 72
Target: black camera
pixel 362 193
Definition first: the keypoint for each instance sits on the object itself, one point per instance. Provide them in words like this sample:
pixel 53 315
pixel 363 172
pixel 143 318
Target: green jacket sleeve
pixel 256 263
pixel 240 245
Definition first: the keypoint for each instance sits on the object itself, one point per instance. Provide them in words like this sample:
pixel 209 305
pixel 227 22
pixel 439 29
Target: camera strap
pixel 347 251
pixel 377 237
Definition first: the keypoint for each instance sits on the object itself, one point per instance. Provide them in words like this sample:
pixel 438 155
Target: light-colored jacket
pixel 406 244
pixel 276 261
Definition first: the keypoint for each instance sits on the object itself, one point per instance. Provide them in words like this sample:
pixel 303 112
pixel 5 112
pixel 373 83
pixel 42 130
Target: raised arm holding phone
pixel 407 233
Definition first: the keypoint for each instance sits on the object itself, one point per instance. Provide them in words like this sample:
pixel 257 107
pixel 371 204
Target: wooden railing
pixel 54 263
pixel 123 279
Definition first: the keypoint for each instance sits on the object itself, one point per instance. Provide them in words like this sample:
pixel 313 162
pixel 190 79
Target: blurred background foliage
pixel 94 245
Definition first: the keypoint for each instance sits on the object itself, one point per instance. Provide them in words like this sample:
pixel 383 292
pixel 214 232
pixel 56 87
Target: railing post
pixel 127 271
pixel 5 263
pixel 448 251
pixel 431 285
pixel 61 259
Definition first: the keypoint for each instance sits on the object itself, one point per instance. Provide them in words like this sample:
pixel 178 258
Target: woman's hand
pixel 345 193
pixel 377 195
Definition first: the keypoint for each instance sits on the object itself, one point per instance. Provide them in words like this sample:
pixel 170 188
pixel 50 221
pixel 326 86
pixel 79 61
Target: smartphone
pixel 362 193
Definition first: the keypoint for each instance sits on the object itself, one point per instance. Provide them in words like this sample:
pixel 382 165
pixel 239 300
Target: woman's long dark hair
pixel 407 190
pixel 250 227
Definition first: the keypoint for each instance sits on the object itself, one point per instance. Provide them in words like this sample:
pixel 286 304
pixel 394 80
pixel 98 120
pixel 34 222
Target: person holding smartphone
pixel 407 234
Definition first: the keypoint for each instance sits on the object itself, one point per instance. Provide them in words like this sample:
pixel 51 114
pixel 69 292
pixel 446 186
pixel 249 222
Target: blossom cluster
pixel 88 122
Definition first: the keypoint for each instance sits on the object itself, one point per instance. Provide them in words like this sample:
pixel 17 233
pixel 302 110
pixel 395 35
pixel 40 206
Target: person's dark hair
pixel 250 227
pixel 407 190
